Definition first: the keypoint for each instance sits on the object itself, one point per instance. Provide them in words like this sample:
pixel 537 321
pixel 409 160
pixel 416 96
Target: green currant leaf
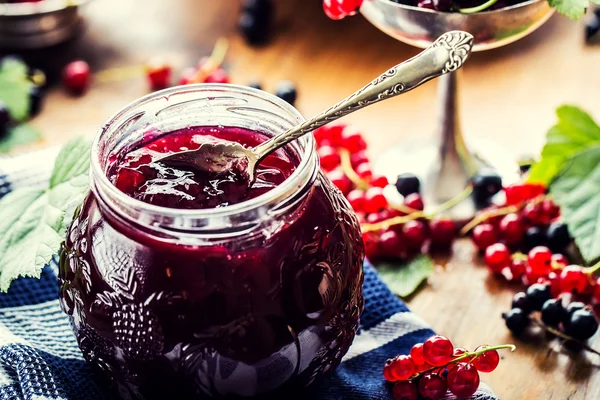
pixel 17 136
pixel 573 9
pixel 15 87
pixel 577 191
pixel 575 131
pixel 33 222
pixel 404 278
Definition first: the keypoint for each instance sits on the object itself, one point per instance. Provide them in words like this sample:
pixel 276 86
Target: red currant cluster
pixel 340 9
pixel 389 230
pixel 435 366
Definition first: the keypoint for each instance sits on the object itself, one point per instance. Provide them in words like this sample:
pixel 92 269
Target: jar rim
pixel 288 185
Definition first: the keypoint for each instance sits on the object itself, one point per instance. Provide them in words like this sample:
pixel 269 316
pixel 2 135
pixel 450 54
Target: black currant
pixel 486 184
pixel 558 236
pixel 4 118
pixel 553 312
pixel 407 183
pixel 534 237
pixel 521 301
pixel 592 28
pixel 582 324
pixel 255 85
pixel 571 308
pixel 538 294
pixel 516 320
pixel 36 96
pixel 442 5
pixel 257 6
pixel 254 28
pixel 286 90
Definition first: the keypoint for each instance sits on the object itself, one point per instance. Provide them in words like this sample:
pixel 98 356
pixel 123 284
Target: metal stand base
pixel 446 165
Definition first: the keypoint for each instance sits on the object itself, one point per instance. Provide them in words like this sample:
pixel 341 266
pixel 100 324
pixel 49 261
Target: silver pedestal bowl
pixel 33 25
pixel 446 165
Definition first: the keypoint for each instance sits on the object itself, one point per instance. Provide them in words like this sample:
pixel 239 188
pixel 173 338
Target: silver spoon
pixel 446 54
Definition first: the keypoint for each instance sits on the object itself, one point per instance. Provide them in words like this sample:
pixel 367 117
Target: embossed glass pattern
pixel 259 297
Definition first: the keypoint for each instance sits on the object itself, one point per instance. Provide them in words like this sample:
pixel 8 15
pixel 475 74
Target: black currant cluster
pixel 256 20
pixel 576 320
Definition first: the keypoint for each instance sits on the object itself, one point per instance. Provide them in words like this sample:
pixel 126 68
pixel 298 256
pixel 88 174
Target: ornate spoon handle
pixel 446 54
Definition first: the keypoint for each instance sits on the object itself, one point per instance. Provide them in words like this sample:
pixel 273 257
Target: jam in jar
pixel 181 285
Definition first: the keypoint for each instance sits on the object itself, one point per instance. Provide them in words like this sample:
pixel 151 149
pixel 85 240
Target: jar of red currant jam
pixel 181 285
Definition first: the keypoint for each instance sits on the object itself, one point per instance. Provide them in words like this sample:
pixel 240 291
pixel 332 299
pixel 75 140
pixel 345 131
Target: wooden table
pixel 508 95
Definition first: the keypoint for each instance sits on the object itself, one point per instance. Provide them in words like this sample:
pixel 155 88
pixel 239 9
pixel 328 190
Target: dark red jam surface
pixel 141 177
pixel 265 311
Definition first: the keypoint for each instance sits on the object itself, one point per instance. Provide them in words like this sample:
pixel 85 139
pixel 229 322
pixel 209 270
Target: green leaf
pixel 72 160
pixel 15 87
pixel 573 9
pixel 17 136
pixel 577 191
pixel 574 132
pixel 405 278
pixel 33 223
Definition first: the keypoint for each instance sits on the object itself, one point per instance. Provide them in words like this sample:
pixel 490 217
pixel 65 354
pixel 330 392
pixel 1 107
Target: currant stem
pixel 214 61
pixel 565 336
pixel 484 216
pixel 592 269
pixel 479 8
pixel 469 354
pixel 391 222
pixel 350 172
pixel 452 202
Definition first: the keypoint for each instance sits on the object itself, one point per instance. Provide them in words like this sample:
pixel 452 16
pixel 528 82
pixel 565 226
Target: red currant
pixel 350 6
pixel 415 234
pixel 158 73
pixel 357 158
pixel 459 351
pixel 371 243
pixel 339 179
pixel 554 280
pixel 511 229
pixel 497 257
pixel 550 210
pixel 352 140
pixel 379 181
pixel 364 171
pixel 437 350
pixel 76 77
pixel 375 200
pixel 518 268
pixel 416 353
pixel 219 75
pixel 558 260
pixel 443 233
pixel 333 10
pixel 597 291
pixel 432 386
pixel 532 276
pixel 390 244
pixel 486 362
pixel 414 201
pixel 357 200
pixel 573 279
pixel 540 260
pixel 484 235
pixel 403 367
pixel 519 193
pixel 333 134
pixel 532 214
pixel 388 371
pixel 463 379
pixel 404 390
pixel 329 158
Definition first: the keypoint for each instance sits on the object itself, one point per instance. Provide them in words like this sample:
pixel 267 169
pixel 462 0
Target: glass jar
pixel 258 297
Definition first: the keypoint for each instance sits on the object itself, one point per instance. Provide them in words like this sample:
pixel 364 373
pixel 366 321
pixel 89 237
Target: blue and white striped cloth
pixel 39 357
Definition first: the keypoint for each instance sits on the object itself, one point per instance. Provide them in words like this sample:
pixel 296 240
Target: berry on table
pixel 403 367
pixel 416 353
pixel 486 184
pixel 76 77
pixel 518 268
pixel 443 232
pixel 255 20
pixel 364 171
pixel 390 244
pixel 286 90
pixel 158 73
pixel 520 300
pixel 573 279
pixel 437 350
pixel 516 320
pixel 463 379
pixel 582 324
pixel 574 306
pixel 340 9
pixel 414 201
pixel 486 362
pixel 404 390
pixel 407 184
pixel 553 312
pixel 511 228
pixel 433 386
pixel 538 294
pixel 375 200
pixel 484 235
pixel 497 257
pixel 415 234
pixel 388 371
pixel 4 118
